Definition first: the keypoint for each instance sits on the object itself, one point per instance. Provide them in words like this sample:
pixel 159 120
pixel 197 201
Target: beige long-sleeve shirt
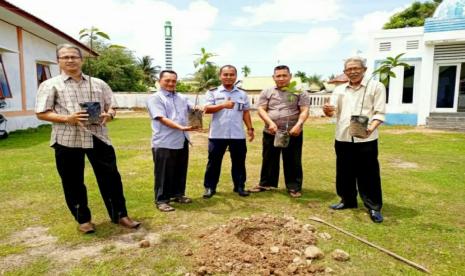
pixel 348 102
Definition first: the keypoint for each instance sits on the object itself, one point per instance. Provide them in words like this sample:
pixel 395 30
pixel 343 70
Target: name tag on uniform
pixel 240 105
pixel 219 100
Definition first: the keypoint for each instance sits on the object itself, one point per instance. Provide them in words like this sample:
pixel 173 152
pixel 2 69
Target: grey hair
pixel 68 46
pixel 359 59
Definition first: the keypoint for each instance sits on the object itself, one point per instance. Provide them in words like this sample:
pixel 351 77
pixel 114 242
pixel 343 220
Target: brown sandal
pixel 182 199
pixel 165 207
pixel 295 194
pixel 258 189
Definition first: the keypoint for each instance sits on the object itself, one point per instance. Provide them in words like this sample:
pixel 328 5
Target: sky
pixel 312 36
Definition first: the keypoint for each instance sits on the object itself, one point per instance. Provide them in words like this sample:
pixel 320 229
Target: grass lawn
pixel 423 184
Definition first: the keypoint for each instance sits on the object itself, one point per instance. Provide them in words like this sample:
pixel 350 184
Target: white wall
pixel 36 49
pixel 415 57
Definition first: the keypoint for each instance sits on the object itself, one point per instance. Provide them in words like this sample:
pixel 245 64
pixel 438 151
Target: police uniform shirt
pixel 227 123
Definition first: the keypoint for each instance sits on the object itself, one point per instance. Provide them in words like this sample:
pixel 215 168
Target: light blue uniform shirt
pixel 173 106
pixel 227 123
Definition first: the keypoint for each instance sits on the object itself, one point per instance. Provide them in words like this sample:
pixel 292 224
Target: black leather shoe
pixel 242 192
pixel 376 216
pixel 342 206
pixel 208 193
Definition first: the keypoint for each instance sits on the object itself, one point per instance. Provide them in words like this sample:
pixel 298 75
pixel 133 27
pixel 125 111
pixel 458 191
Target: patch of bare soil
pixel 398 163
pixel 259 245
pixel 413 130
pixel 41 244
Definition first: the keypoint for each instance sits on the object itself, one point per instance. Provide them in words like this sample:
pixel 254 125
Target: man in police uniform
pixel 229 106
pixel 279 112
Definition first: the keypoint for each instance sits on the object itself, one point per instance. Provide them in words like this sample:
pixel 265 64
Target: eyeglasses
pixel 353 69
pixel 72 58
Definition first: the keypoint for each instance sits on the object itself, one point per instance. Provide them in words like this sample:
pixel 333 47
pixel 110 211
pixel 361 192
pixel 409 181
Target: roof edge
pixel 44 24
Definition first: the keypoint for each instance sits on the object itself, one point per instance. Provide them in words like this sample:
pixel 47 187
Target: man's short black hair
pixel 228 66
pixel 282 67
pixel 168 72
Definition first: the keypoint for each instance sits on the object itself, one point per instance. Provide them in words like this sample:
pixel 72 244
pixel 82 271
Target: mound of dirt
pixel 259 245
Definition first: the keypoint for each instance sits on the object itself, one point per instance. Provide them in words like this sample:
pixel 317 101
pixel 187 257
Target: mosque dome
pixel 449 9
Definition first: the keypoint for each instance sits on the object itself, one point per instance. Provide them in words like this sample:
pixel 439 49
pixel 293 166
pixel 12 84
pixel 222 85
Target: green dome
pixel 449 9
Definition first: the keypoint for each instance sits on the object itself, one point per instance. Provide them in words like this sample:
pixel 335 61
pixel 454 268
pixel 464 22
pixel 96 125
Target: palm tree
pixel 315 80
pixel 207 77
pixel 245 70
pixel 207 74
pixel 150 71
pixel 302 76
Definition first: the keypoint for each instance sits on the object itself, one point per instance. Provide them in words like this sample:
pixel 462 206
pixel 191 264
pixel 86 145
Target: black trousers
pixel 357 166
pixel 216 150
pixel 70 165
pixel 292 163
pixel 170 170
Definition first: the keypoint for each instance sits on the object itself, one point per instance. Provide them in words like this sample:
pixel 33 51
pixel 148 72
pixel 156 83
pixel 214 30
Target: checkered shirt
pixel 62 94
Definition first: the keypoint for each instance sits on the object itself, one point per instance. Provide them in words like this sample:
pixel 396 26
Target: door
pixel 446 85
pixel 461 84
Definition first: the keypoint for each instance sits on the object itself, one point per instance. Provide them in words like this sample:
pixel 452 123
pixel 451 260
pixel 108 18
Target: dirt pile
pixel 259 245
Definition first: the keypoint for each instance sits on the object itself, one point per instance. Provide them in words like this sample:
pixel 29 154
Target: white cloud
pixel 225 53
pixel 363 29
pixel 136 24
pixel 290 11
pixel 314 44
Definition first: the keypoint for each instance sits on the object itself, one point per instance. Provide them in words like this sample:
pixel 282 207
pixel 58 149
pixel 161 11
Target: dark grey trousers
pixel 170 170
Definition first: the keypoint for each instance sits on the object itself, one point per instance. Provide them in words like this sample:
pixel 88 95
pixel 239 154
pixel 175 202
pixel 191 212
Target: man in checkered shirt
pixel 73 138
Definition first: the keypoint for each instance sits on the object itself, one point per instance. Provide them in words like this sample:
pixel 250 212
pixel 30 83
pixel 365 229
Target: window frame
pixel 5 77
pixel 45 70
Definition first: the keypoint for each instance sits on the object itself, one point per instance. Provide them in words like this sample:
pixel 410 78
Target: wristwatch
pixel 252 129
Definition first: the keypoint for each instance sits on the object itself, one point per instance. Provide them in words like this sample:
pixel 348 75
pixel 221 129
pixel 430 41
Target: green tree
pixel 302 76
pixel 184 87
pixel 150 71
pixel 115 65
pixel 207 75
pixel 118 67
pixel 412 16
pixel 315 80
pixel 245 70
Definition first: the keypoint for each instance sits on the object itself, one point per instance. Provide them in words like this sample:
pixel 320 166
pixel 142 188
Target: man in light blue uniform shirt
pixel 168 111
pixel 230 107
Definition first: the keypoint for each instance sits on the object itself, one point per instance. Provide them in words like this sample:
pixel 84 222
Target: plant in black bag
pixel 93 106
pixel 359 123
pixel 282 136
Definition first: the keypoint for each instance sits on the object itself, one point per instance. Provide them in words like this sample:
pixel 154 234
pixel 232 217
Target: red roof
pixel 342 78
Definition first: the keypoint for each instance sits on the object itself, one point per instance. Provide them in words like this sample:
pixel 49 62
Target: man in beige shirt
pixel 73 138
pixel 282 111
pixel 357 163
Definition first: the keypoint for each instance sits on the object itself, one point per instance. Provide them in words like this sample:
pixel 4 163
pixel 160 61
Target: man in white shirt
pixel 357 163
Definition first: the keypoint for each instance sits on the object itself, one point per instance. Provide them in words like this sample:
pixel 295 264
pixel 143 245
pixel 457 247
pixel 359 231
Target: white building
pixel 27 57
pixel 432 91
